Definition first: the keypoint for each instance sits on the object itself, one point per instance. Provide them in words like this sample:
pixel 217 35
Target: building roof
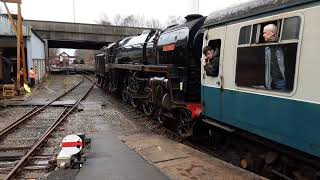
pixel 64 54
pixel 250 8
pixel 7 30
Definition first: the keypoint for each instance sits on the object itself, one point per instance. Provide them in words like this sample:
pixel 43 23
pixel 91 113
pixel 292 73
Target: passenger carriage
pixel 237 98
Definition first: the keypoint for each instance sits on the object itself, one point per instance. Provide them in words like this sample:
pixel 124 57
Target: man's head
pixel 31 68
pixel 208 52
pixel 269 33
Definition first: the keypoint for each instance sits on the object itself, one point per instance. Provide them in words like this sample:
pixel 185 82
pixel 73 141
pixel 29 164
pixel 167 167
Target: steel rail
pixel 26 114
pixel 43 137
pixel 32 113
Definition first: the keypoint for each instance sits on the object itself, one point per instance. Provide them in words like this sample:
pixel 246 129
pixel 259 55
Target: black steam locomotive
pixel 158 71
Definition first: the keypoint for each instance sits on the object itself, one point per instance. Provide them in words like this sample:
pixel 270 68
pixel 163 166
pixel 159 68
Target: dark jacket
pixel 212 67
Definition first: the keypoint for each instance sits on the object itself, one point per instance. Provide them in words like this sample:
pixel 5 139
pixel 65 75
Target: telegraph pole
pixel 17 27
pixel 198 6
pixel 74 13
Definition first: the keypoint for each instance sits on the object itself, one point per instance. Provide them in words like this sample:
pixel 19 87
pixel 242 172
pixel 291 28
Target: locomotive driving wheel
pixel 98 80
pixel 160 117
pixel 125 97
pixel 109 87
pixel 133 102
pixel 147 108
pixel 103 84
pixel 184 124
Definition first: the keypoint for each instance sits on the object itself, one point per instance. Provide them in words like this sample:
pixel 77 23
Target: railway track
pixel 21 140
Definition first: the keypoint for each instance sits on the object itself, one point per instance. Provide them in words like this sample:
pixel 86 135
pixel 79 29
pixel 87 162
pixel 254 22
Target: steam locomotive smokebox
pixel 71 152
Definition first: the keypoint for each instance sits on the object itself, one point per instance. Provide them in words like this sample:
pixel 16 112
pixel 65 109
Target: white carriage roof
pixel 249 9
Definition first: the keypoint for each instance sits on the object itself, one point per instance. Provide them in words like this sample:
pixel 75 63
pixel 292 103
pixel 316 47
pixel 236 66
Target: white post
pixel 74 13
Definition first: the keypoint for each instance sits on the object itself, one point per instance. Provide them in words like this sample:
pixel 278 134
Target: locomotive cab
pixel 176 48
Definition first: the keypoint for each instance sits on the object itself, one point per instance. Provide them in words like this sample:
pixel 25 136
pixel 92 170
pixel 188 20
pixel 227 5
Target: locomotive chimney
pixel 192 17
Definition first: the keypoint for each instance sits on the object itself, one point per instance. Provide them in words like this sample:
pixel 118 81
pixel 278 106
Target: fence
pixel 40 66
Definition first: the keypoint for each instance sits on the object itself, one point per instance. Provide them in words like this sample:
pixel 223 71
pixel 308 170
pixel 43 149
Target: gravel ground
pixel 27 133
pixel 54 85
pixel 86 66
pixel 85 121
pixel 10 114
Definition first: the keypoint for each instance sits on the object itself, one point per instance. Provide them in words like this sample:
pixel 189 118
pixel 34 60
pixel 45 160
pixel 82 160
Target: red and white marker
pixel 71 144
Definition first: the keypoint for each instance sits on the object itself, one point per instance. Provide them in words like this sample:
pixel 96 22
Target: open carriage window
pixel 212 63
pixel 269 61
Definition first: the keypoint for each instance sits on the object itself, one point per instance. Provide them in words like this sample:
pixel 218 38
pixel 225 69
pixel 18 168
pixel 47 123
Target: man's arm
pixel 212 68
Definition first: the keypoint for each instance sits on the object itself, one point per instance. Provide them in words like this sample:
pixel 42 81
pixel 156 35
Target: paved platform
pixel 110 159
pixel 179 161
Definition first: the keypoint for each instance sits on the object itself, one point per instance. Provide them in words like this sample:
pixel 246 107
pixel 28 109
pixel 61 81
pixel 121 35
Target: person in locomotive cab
pixel 211 61
pixel 274 61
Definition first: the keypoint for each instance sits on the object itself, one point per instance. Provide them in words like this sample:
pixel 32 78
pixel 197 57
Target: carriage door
pixel 211 94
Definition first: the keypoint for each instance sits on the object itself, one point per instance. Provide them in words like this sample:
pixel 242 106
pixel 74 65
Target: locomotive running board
pixel 218 125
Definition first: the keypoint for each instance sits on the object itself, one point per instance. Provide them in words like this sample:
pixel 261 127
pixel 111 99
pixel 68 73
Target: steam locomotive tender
pixel 158 71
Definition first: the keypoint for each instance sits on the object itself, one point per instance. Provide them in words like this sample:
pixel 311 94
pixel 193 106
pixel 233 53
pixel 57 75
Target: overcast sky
pixel 90 11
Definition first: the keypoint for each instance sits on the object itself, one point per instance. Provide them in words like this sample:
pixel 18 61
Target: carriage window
pixel 244 37
pixel 291 28
pixel 255 35
pixel 266 64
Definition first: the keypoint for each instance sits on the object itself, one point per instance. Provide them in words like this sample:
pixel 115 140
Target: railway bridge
pixel 79 35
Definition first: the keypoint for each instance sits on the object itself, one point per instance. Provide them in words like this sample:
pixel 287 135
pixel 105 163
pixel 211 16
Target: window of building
pixel 268 65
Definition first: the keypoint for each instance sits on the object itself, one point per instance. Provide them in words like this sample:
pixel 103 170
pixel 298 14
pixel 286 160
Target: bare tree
pixel 104 20
pixel 154 23
pixel 130 20
pixel 86 54
pixel 53 52
pixel 117 20
pixel 133 21
pixel 172 20
pixel 136 21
